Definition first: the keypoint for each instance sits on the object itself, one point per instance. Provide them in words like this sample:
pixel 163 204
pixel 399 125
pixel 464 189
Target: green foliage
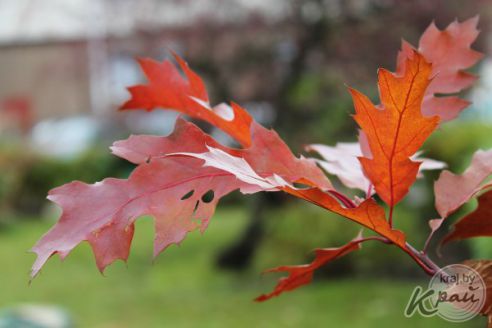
pixel 296 229
pixel 324 103
pixel 183 285
pixel 464 136
pixel 30 176
pixel 14 164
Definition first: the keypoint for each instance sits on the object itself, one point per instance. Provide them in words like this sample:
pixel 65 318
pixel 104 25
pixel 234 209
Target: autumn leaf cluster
pixel 174 174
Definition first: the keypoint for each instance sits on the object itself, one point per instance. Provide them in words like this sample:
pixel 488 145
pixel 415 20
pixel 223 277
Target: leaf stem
pixel 486 186
pixel 419 257
pixel 422 259
pixel 391 216
pixel 378 238
pixel 427 242
pixel 347 202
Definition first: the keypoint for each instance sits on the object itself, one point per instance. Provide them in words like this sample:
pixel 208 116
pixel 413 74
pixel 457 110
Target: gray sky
pixel 41 20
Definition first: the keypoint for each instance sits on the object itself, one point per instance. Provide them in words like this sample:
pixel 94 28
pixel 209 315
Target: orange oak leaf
pixel 452 191
pixel 342 161
pixel 450 54
pixel 167 89
pixel 300 275
pixel 476 224
pixel 396 129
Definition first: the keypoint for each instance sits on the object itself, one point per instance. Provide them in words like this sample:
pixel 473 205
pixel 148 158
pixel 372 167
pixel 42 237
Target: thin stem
pixel 482 188
pixel 342 198
pixel 391 216
pixel 417 257
pixel 378 238
pixel 430 263
pixel 427 242
pixel 424 259
pixel 434 225
pixel 486 186
pixel 421 259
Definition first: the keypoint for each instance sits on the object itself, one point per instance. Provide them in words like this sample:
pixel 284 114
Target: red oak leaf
pixel 103 213
pixel 300 275
pixel 452 191
pixel 475 224
pixel 450 54
pixel 186 137
pixel 268 154
pixel 396 130
pixel 167 89
pixel 169 189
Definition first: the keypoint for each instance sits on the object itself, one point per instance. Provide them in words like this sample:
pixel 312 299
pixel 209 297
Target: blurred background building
pixel 73 58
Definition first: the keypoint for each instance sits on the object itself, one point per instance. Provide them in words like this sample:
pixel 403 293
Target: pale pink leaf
pixel 342 161
pixel 452 191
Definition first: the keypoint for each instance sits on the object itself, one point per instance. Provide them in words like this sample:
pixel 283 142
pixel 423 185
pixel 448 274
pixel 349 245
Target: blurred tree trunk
pixel 312 34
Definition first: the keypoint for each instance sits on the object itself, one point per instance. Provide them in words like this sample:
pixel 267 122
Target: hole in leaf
pixel 208 196
pixel 196 206
pixel 188 195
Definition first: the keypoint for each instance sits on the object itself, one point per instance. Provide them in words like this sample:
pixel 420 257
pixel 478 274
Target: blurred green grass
pixel 184 289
